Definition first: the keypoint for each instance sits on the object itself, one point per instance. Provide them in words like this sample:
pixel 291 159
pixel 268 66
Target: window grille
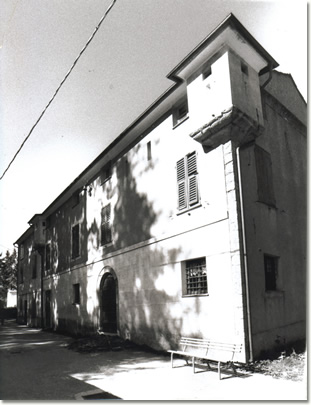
pixel 271 270
pixel 106 233
pixel 196 277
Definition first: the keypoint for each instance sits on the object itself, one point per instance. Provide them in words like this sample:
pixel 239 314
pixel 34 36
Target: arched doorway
pixel 108 303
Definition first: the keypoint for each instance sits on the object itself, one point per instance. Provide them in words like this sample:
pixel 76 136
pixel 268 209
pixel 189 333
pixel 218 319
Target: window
pixel 271 272
pixel 187 181
pixel 195 277
pixel 47 256
pixel 244 68
pixel 106 234
pixel 180 113
pixel 34 266
pixel 76 293
pixel 149 155
pixel 75 198
pixel 265 188
pixel 106 172
pixel 21 274
pixel 207 72
pixel 75 241
pixel 33 307
pixel 22 251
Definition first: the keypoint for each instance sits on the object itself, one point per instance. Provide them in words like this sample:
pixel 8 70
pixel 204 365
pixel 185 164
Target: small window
pixel 244 68
pixel 195 277
pixel 207 73
pixel 106 233
pixel 271 272
pixel 106 173
pixel 149 155
pixel 187 181
pixel 76 293
pixel 47 257
pixel 75 199
pixel 180 113
pixel 75 241
pixel 265 187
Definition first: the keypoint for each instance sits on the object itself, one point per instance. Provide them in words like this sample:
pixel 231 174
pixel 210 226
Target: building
pixel 192 222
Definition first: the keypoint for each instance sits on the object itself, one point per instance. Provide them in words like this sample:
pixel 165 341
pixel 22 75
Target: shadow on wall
pixel 145 313
pixel 144 307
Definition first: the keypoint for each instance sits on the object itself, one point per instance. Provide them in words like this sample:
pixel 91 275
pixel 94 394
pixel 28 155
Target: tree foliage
pixel 8 274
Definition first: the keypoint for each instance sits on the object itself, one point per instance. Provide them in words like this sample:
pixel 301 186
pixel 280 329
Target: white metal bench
pixel 209 350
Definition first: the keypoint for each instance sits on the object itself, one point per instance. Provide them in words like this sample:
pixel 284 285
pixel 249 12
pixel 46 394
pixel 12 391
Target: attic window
pixel 207 72
pixel 244 68
pixel 180 113
pixel 106 172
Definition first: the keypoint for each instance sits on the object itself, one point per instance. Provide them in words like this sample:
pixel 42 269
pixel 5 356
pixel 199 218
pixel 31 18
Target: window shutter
pixel 192 178
pixel 106 234
pixel 181 184
pixel 264 176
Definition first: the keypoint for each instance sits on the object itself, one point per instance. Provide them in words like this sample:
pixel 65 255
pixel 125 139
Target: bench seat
pixel 208 350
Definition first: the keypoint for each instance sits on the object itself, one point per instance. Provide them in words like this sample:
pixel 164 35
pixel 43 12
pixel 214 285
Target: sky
pixel 121 73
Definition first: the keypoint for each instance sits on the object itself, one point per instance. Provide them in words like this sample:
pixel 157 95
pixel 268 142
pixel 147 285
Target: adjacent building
pixel 192 222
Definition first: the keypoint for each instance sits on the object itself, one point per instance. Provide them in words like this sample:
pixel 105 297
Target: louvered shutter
pixel 106 234
pixel 181 184
pixel 192 178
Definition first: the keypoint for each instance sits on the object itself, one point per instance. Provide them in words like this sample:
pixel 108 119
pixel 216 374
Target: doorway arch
pixel 108 301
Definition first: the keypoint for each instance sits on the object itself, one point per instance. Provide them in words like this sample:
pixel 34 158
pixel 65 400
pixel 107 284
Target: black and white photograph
pixel 153 200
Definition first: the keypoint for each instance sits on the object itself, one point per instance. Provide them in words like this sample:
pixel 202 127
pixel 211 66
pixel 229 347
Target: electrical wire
pixel 60 85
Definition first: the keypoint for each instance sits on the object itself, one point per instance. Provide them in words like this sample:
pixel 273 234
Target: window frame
pixel 75 242
pixel 47 256
pixel 76 294
pixel 105 226
pixel 187 178
pixel 264 177
pixel 34 266
pixel 275 259
pixel 177 117
pixel 188 265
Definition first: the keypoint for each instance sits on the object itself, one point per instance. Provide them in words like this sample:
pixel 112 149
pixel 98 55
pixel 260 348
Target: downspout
pixel 249 327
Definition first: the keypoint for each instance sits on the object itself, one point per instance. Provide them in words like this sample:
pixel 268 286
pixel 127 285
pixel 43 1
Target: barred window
pixel 271 272
pixel 195 277
pixel 106 234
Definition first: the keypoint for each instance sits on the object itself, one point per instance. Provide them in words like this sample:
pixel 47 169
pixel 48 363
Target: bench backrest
pixel 218 351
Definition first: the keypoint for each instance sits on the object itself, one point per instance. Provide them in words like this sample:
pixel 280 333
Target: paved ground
pixel 36 365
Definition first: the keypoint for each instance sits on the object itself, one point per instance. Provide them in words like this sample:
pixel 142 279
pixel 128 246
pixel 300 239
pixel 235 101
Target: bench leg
pixel 219 372
pixel 172 354
pixel 193 366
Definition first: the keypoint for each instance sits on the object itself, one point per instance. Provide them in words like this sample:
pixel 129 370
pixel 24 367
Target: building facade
pixel 192 222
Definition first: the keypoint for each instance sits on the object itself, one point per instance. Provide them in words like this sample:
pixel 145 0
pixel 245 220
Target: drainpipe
pixel 249 327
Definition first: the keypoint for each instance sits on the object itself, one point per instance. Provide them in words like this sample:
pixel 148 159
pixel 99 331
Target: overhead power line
pixel 60 85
